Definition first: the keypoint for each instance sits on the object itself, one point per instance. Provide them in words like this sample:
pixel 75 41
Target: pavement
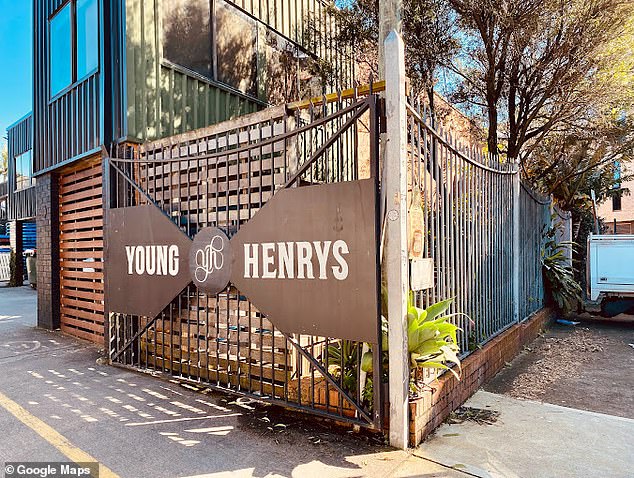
pixel 533 440
pixel 589 366
pixel 59 403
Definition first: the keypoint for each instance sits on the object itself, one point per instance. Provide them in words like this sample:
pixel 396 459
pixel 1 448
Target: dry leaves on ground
pixel 481 416
pixel 559 358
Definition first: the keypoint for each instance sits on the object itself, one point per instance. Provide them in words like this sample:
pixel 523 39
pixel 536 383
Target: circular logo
pixel 210 260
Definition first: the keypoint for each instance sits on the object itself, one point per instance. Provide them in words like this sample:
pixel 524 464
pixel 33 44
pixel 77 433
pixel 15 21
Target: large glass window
pixel 87 37
pixel 61 49
pixel 187 34
pixel 188 41
pixel 72 60
pixel 236 48
pixel 24 171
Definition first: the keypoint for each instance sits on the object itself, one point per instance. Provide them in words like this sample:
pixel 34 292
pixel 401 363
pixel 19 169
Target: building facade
pixel 109 73
pixel 617 212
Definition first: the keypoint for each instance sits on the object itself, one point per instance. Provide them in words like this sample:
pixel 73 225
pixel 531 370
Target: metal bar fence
pixel 5 273
pixel 467 198
pixel 221 176
pixel 535 219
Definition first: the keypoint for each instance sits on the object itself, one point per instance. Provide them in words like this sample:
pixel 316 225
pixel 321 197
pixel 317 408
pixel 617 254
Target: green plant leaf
pixel 367 362
pixel 438 308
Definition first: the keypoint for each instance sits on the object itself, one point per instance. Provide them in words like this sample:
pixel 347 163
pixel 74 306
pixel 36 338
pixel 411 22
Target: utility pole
pixel 396 260
pixel 390 18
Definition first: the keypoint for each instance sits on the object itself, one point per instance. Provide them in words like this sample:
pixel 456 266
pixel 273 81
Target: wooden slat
pixel 79 225
pixel 70 254
pixel 74 207
pixel 89 336
pixel 81 237
pixel 73 196
pixel 89 181
pixel 81 284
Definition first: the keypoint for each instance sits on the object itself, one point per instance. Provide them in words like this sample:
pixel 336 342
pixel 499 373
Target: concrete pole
pixel 396 258
pixel 390 18
pixel 516 245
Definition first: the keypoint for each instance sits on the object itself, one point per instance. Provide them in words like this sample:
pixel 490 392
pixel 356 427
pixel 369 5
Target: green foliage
pixel 343 357
pixel 432 338
pixel 558 273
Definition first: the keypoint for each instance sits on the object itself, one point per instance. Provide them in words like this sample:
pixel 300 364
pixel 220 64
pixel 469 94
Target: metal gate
pixel 222 176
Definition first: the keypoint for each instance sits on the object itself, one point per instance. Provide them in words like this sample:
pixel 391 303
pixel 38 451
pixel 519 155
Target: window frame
pixel 214 51
pixel 617 203
pixel 30 178
pixel 75 81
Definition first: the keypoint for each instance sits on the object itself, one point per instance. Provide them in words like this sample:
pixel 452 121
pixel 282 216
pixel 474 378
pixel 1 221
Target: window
pixel 24 171
pixel 73 43
pixel 616 202
pixel 188 41
pixel 61 47
pixel 187 35
pixel 87 37
pixel 236 48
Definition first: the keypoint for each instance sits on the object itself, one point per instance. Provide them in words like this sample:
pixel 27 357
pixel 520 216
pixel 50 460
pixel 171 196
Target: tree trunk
pixel 492 139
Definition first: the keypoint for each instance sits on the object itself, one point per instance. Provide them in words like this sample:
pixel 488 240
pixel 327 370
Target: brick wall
pixel 430 410
pixel 47 220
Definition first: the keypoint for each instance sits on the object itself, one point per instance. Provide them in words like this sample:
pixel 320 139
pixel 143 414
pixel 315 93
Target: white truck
pixel 610 266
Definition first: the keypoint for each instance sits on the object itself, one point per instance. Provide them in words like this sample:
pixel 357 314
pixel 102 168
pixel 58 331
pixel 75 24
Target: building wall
pixel 164 99
pixel 625 217
pixel 21 204
pixel 48 287
pixel 70 125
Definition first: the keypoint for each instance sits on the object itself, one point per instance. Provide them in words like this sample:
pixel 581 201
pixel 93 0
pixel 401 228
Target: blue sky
pixel 16 60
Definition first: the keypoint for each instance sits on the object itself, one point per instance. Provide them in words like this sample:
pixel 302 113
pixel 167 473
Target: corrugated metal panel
pixel 70 125
pixel 29 234
pixel 21 203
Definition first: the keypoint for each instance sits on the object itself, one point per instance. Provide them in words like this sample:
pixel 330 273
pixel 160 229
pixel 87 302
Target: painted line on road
pixel 52 436
pixel 156 422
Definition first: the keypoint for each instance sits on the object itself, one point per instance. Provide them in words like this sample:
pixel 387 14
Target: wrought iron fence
pixel 221 176
pixel 535 219
pixel 468 202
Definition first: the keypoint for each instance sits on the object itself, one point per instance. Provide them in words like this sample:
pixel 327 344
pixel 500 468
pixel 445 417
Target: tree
pixel 429 35
pixel 489 27
pixel 4 161
pixel 534 64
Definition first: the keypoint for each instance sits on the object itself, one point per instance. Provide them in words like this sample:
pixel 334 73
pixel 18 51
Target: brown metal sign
pixel 307 260
pixel 147 260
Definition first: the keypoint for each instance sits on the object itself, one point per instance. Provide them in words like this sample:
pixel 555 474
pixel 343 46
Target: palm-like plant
pixel 559 275
pixel 432 338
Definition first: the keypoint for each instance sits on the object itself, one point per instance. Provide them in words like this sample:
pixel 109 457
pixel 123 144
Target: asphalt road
pixel 57 403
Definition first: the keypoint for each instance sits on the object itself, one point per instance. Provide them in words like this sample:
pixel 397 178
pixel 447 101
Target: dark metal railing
pixel 468 202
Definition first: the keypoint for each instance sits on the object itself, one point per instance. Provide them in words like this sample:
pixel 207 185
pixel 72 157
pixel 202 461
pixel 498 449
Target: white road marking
pixel 208 417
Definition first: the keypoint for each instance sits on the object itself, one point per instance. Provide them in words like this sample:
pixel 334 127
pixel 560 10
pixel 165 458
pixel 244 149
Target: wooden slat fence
pixel 81 252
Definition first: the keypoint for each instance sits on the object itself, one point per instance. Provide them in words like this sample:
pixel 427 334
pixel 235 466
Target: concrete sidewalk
pixel 534 440
pixel 139 426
